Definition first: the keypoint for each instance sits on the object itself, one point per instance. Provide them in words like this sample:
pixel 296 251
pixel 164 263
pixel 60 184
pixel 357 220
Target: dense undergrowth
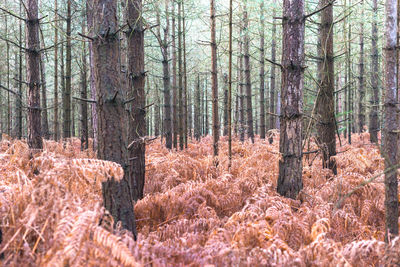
pixel 194 214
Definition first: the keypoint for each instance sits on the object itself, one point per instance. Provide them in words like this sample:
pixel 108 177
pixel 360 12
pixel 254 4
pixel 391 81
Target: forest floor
pixel 194 214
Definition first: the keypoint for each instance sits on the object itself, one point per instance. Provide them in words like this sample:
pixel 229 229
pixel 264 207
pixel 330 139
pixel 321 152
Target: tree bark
pixel 272 120
pixel 68 68
pixel 84 105
pixel 247 74
pixel 185 91
pixel 174 82
pixel 361 88
pixel 214 80
pixel 373 116
pixel 45 121
pixel 197 112
pixel 290 147
pixel 136 74
pixel 110 105
pixel 391 121
pixel 180 80
pixel 55 102
pixel 325 108
pixel 33 75
pixel 262 72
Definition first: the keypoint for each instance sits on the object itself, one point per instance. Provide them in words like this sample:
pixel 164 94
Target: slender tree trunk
pixel 290 147
pixel 262 73
pixel 136 74
pixel 361 90
pixel 157 115
pixel 326 122
pixel 272 121
pixel 225 130
pixel 214 80
pixel 18 99
pixel 241 93
pixel 180 80
pixel 55 102
pixel 45 121
pixel 197 111
pixel 67 120
pixel 166 80
pixel 174 82
pixel 247 74
pixel 93 89
pixel 33 74
pixel 230 83
pixel 207 124
pixel 84 105
pixel 350 81
pixel 185 92
pixel 373 116
pixel 8 80
pixel 391 121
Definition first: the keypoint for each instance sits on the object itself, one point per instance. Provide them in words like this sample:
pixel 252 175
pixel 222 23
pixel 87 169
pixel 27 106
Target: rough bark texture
pixel 136 74
pixel 325 106
pixel 247 75
pixel 67 121
pixel 110 105
pixel 391 121
pixel 197 111
pixel 290 147
pixel 373 116
pixel 33 75
pixel 214 80
pixel 180 80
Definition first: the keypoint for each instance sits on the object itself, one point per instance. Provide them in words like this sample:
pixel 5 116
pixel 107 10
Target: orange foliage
pixel 194 214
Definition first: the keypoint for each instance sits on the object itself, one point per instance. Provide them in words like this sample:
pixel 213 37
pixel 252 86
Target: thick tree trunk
pixel 361 88
pixel 326 122
pixel 373 116
pixel 67 120
pixel 262 73
pixel 33 74
pixel 247 75
pixel 214 80
pixel 110 105
pixel 290 147
pixel 136 74
pixel 391 121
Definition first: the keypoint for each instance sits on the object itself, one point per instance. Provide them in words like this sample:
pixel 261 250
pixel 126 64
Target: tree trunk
pixel 214 80
pixel 272 120
pixel 230 83
pixel 185 92
pixel 68 67
pixel 247 74
pixel 45 121
pixel 55 102
pixel 93 89
pixel 361 90
pixel 225 130
pixel 391 121
pixel 197 111
pixel 180 80
pixel 110 105
pixel 33 74
pixel 241 93
pixel 136 74
pixel 290 147
pixel 18 99
pixel 325 108
pixel 84 105
pixel 166 80
pixel 262 73
pixel 373 116
pixel 174 82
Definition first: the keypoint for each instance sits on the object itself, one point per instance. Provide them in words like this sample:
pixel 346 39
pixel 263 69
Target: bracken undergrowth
pixel 194 213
